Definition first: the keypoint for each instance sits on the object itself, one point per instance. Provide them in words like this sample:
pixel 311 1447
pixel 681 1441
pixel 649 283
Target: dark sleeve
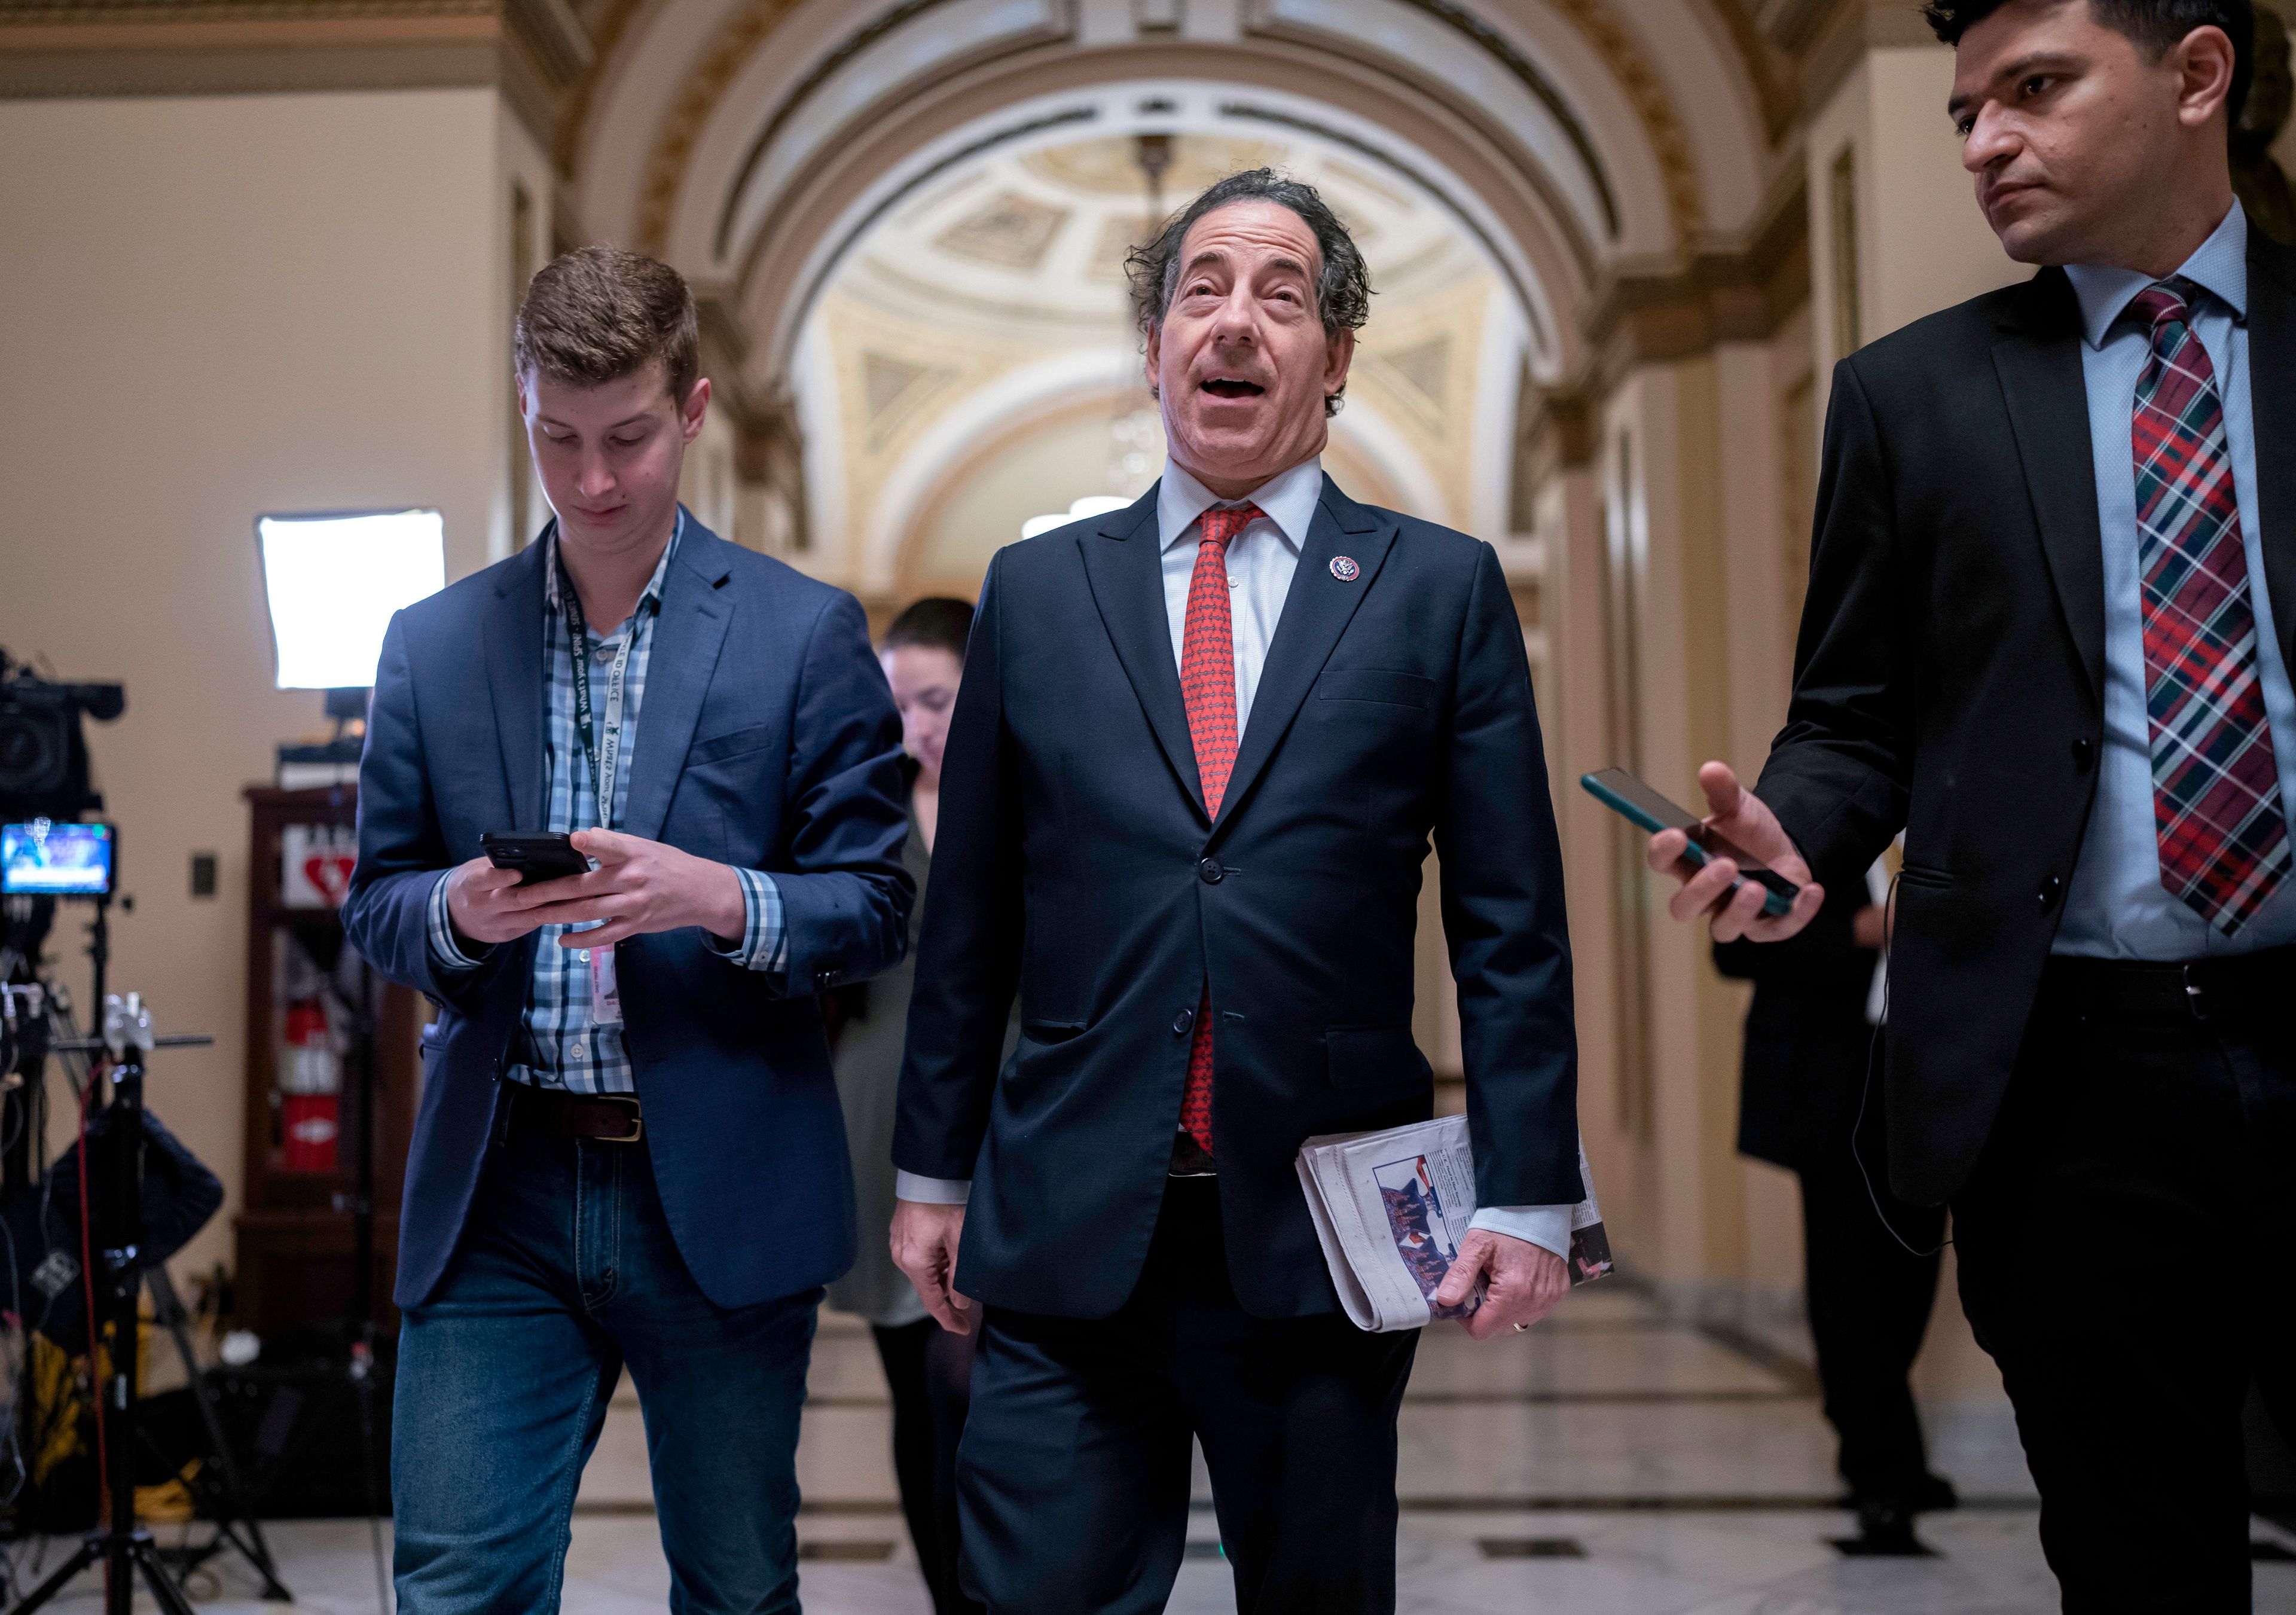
pixel 968 957
pixel 1502 916
pixel 845 895
pixel 401 850
pixel 1838 772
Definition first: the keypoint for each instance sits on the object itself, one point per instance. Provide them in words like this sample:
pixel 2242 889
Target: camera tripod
pixel 122 1549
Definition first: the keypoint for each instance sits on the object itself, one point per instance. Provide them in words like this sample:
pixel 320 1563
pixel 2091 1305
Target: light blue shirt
pixel 1261 560
pixel 2117 907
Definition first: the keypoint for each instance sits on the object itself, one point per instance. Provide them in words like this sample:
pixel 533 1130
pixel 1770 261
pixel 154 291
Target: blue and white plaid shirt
pixel 558 1047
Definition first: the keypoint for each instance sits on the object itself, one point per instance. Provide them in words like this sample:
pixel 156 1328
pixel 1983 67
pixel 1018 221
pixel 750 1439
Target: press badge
pixel 605 989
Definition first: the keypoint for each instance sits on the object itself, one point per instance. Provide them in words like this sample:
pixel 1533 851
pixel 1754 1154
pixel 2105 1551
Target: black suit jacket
pixel 1076 863
pixel 1949 678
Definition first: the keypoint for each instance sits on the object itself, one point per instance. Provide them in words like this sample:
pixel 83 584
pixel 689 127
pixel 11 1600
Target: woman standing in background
pixel 929 1370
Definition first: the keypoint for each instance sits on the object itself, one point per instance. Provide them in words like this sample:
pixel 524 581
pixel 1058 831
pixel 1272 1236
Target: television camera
pixel 42 747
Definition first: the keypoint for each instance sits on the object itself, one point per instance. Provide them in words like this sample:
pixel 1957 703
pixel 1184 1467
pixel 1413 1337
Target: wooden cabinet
pixel 295 1232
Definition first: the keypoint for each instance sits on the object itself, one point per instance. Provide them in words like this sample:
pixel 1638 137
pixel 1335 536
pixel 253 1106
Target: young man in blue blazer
pixel 629 1149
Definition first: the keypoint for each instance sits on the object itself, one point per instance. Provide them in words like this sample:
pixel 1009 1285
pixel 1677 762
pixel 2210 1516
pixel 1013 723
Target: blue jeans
pixel 567 1270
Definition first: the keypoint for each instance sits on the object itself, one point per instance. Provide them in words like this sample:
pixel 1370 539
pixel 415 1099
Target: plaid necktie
pixel 2216 787
pixel 1208 684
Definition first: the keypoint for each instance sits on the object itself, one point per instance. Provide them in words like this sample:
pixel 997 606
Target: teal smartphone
pixel 1623 793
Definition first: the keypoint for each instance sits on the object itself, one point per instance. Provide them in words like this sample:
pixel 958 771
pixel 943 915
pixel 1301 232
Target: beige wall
pixel 1922 245
pixel 220 306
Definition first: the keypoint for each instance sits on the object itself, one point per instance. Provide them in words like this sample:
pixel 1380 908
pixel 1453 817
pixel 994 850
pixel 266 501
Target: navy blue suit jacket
pixel 768 740
pixel 1074 862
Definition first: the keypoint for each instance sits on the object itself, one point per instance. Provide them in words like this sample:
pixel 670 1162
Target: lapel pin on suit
pixel 1344 569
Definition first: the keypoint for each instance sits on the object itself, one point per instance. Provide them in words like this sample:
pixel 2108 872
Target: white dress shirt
pixel 1261 560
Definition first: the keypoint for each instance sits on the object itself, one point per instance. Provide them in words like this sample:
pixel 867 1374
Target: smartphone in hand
pixel 537 855
pixel 1623 793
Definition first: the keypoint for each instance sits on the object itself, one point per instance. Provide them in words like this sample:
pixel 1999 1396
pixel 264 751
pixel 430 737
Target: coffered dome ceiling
pixel 1040 237
pixel 974 363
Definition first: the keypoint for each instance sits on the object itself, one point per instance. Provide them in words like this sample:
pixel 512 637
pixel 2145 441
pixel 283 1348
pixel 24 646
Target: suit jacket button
pixel 2084 755
pixel 2051 890
pixel 1212 871
pixel 1183 1021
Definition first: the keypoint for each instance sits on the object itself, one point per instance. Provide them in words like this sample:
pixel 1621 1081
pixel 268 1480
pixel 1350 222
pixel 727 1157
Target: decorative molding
pixel 1008 230
pixel 860 39
pixel 1740 294
pixel 1843 30
pixel 768 442
pixel 606 35
pixel 1791 24
pixel 552 30
pixel 737 39
pixel 1561 430
pixel 747 28
pixel 531 50
pixel 1775 92
pixel 1670 141
pixel 836 257
pixel 1519 67
pixel 111 13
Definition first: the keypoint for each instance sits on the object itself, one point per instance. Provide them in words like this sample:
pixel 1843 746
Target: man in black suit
pixel 2048 632
pixel 1200 749
pixel 1868 1290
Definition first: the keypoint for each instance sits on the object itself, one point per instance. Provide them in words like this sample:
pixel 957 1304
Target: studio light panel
pixel 334 580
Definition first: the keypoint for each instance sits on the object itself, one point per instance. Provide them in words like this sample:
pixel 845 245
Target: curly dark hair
pixel 1342 292
pixel 2154 25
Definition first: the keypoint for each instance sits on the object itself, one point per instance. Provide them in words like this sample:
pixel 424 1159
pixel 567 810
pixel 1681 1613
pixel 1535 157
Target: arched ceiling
pixel 970 360
pixel 752 142
pixel 1039 233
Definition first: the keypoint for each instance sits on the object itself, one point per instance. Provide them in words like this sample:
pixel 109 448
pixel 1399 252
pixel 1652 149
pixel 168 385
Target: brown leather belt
pixel 2235 986
pixel 555 1113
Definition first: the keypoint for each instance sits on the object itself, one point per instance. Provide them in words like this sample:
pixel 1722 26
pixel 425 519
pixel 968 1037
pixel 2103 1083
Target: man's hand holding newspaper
pixel 1393 1211
pixel 1521 1282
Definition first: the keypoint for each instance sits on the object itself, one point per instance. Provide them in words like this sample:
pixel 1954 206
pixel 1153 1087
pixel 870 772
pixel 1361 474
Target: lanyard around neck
pixel 604 761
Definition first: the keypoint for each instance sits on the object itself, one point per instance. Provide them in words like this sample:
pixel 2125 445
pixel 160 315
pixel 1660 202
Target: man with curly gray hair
pixel 1186 799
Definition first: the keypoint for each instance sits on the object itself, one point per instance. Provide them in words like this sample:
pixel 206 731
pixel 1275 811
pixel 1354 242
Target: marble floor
pixel 1610 1463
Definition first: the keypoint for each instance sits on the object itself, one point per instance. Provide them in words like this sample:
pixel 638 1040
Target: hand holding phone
pixel 481 899
pixel 1738 865
pixel 536 854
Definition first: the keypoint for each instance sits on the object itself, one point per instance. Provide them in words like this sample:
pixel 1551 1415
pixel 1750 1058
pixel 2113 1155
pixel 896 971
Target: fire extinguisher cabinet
pixel 303 1054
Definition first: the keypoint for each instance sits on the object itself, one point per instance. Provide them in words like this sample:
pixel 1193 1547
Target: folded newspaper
pixel 1391 1208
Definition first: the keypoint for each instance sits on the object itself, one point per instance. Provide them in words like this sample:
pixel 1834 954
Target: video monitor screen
pixel 45 859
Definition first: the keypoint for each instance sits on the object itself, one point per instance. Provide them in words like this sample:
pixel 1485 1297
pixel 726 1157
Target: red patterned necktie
pixel 1207 685
pixel 2216 784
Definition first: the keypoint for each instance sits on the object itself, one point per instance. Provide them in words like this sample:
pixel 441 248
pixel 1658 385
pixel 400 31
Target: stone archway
pixel 1568 124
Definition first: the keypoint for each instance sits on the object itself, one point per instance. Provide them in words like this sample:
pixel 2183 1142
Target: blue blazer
pixel 1075 863
pixel 768 741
